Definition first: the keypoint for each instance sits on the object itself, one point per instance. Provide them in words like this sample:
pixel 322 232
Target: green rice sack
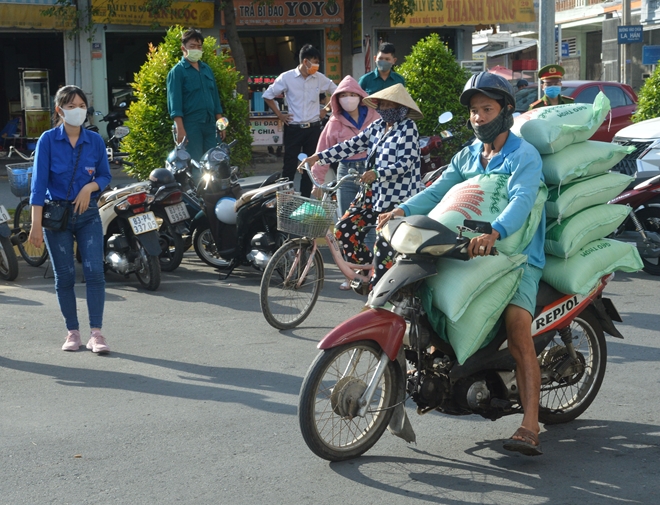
pixel 484 198
pixel 568 199
pixel 551 129
pixel 566 239
pixel 582 160
pixel 459 282
pixel 468 333
pixel 581 272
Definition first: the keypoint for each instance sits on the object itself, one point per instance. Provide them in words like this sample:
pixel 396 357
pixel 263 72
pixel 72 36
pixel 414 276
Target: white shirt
pixel 302 95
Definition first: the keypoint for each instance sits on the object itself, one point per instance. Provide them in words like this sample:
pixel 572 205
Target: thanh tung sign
pixel 470 12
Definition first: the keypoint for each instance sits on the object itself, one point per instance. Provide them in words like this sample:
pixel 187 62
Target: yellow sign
pixel 29 16
pixel 333 55
pixel 36 122
pixel 131 12
pixel 470 12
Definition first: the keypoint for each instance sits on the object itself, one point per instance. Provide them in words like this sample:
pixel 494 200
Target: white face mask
pixel 194 55
pixel 349 103
pixel 75 117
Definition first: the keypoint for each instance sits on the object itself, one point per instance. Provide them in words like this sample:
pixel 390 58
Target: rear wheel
pixel 286 297
pixel 172 245
pixel 329 396
pixel 32 255
pixel 567 389
pixel 206 249
pixel 650 219
pixel 8 260
pixel 147 268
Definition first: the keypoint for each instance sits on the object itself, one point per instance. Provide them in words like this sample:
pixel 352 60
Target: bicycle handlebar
pixel 331 186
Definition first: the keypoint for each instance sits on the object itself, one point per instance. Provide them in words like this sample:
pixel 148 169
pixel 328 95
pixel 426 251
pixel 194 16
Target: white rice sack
pixel 566 239
pixel 568 199
pixel 468 334
pixel 457 282
pixel 580 273
pixel 484 198
pixel 551 129
pixel 582 160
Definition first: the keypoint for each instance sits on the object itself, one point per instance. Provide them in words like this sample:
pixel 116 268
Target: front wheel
pixel 8 260
pixel 34 256
pixel 567 389
pixel 288 293
pixel 206 249
pixel 650 219
pixel 172 246
pixel 147 268
pixel 329 401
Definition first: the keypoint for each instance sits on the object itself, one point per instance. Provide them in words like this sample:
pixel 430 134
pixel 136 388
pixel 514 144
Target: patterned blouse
pixel 397 160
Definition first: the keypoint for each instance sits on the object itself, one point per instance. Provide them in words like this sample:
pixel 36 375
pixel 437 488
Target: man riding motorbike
pixel 491 103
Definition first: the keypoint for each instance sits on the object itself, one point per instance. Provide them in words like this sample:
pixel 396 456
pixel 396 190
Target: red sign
pixel 290 12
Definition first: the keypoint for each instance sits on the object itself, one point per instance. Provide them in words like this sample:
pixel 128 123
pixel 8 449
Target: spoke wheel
pixel 650 219
pixel 172 246
pixel 286 298
pixel 32 255
pixel 206 249
pixel 8 260
pixel 328 401
pixel 567 392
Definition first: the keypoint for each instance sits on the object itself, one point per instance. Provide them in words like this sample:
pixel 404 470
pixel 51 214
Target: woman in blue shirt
pixel 71 165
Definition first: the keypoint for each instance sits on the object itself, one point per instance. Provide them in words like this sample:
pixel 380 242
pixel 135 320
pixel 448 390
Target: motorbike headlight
pixel 407 240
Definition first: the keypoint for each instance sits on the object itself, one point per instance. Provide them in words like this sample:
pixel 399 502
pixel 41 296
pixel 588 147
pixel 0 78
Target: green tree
pixel 435 81
pixel 648 106
pixel 151 126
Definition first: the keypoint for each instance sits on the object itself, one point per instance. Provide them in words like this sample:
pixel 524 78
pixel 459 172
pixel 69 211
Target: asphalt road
pixel 197 404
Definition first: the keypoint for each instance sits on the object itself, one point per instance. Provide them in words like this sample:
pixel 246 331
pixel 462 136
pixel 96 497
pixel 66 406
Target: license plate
pixel 177 212
pixel 142 223
pixel 4 215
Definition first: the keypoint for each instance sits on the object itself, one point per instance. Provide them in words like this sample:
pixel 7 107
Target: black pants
pixel 299 140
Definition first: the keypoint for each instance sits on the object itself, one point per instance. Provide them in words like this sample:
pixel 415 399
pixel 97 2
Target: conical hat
pixel 397 94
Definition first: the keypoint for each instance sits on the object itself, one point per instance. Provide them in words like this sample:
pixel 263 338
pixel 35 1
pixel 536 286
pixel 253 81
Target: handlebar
pixel 331 186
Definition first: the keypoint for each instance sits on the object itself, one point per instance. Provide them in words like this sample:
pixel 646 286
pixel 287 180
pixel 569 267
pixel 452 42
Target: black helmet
pixel 491 85
pixel 161 176
pixel 522 83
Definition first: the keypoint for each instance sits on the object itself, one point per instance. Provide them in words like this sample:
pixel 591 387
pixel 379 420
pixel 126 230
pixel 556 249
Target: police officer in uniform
pixel 550 77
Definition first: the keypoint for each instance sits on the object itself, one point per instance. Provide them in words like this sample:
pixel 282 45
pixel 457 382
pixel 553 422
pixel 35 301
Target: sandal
pixel 528 446
pixel 345 286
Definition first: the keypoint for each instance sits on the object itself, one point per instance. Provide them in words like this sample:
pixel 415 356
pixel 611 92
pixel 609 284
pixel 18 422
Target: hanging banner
pixel 129 12
pixel 29 16
pixel 333 54
pixel 289 12
pixel 469 12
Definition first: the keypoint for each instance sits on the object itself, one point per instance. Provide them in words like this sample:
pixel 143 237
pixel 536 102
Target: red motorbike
pixel 360 380
pixel 427 145
pixel 643 222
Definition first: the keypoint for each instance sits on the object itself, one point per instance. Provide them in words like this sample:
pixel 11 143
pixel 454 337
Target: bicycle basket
pixel 304 217
pixel 20 178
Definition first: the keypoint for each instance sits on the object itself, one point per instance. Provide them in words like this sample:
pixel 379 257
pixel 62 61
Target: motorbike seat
pixel 248 196
pixel 545 296
pixel 118 193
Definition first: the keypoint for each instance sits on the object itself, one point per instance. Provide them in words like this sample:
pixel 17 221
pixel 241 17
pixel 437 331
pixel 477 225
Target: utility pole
pixel 546 47
pixel 625 48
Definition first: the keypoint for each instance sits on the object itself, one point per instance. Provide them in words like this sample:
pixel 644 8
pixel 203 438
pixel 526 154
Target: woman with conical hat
pixel 393 172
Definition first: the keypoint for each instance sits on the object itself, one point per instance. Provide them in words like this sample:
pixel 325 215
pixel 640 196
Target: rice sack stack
pixel 473 294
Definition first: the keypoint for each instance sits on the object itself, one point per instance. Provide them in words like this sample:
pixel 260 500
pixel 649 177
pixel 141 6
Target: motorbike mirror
pixel 222 124
pixel 121 132
pixel 478 226
pixel 445 117
pixel 302 157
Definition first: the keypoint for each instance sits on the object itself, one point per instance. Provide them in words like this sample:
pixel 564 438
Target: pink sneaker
pixel 72 342
pixel 97 343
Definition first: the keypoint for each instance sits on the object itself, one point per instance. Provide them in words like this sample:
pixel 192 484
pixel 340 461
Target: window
pixel 617 96
pixel 587 95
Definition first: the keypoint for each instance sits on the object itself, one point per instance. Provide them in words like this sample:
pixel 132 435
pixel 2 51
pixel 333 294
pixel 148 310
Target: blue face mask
pixel 552 91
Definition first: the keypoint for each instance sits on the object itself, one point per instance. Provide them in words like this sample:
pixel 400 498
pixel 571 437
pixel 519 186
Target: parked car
pixel 623 102
pixel 644 161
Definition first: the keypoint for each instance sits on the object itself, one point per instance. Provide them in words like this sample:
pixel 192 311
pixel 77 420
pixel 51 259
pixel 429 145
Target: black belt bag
pixel 55 215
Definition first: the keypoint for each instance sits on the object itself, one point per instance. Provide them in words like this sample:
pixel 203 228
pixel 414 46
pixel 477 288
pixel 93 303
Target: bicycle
pixel 20 178
pixel 294 276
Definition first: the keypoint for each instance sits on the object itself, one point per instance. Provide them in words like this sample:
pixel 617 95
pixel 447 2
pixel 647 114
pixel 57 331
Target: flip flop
pixel 528 446
pixel 345 286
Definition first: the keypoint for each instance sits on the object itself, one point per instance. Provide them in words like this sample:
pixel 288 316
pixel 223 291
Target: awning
pixel 513 49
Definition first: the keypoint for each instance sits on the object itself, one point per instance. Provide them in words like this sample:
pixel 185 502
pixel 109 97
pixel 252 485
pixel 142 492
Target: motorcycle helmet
pixel 160 177
pixel 216 162
pixel 491 85
pixel 224 210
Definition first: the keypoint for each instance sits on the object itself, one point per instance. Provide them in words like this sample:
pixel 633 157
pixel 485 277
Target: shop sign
pixel 333 54
pixel 266 131
pixel 131 12
pixel 356 35
pixel 97 50
pixel 36 122
pixel 470 12
pixel 289 12
pixel 20 15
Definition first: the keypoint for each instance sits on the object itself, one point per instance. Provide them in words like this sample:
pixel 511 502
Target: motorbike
pixel 359 382
pixel 427 145
pixel 131 234
pixel 9 237
pixel 114 119
pixel 237 226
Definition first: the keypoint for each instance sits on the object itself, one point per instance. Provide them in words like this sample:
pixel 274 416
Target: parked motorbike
pixel 643 222
pixel 427 145
pixel 131 234
pixel 359 382
pixel 237 226
pixel 8 239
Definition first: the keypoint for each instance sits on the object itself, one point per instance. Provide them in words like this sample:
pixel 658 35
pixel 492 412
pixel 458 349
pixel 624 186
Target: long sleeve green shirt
pixel 192 94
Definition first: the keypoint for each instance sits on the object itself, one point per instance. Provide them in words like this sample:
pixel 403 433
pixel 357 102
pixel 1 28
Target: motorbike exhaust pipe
pixel 19 237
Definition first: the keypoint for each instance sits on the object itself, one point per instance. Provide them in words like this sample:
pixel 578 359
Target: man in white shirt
pixel 302 125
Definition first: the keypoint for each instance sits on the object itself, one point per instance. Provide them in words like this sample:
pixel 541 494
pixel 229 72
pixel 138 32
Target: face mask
pixel 74 117
pixel 349 103
pixel 393 115
pixel 488 132
pixel 383 65
pixel 194 55
pixel 313 68
pixel 552 91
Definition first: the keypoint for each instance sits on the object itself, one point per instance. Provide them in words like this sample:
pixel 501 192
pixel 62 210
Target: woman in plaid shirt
pixel 394 176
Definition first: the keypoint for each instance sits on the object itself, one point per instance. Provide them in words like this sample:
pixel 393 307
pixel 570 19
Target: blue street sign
pixel 565 51
pixel 631 34
pixel 650 55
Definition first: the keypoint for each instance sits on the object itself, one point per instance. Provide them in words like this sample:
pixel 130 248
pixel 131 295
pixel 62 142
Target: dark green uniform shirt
pixel 373 82
pixel 192 94
pixel 543 102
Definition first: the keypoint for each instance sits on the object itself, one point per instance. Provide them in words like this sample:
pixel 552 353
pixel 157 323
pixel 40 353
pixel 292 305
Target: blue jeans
pixel 347 192
pixel 87 230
